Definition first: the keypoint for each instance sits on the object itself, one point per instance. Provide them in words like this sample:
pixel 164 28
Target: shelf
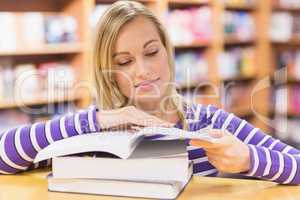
pixel 294 41
pixel 293 114
pixel 189 2
pixel 112 1
pixel 195 45
pixel 63 48
pixel 33 5
pixel 241 111
pixel 293 80
pixel 285 80
pixel 288 114
pixel 240 78
pixel 194 86
pixel 42 101
pixel 241 7
pixel 286 9
pixel 229 40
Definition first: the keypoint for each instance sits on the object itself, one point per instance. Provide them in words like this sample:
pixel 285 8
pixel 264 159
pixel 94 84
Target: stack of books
pixel 122 163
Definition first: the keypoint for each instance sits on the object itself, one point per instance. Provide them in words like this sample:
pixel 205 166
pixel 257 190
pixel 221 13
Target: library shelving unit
pixel 72 52
pixel 78 53
pixel 285 79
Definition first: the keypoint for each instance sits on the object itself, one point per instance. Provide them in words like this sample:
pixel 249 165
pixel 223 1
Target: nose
pixel 142 68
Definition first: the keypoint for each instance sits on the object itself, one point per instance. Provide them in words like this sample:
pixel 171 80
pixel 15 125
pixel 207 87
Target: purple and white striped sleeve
pixel 270 158
pixel 19 146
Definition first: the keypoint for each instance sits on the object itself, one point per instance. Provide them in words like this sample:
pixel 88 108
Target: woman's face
pixel 141 67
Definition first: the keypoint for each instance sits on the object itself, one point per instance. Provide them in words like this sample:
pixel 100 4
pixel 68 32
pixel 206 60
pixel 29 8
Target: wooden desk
pixel 33 186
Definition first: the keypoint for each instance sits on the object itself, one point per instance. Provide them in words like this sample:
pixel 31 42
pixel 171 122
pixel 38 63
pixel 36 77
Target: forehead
pixel 135 33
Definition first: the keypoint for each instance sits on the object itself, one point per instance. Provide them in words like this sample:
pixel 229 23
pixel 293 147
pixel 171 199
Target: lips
pixel 146 82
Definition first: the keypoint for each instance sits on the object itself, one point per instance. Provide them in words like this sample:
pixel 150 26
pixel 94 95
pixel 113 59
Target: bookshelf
pixel 71 52
pixel 47 49
pixel 263 48
pixel 36 102
pixel 284 55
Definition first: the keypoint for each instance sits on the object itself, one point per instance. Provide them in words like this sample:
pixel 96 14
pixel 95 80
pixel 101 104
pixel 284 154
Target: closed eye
pixel 124 63
pixel 152 53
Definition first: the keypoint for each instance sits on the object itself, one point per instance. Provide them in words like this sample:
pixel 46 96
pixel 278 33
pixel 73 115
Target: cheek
pixel 124 82
pixel 164 69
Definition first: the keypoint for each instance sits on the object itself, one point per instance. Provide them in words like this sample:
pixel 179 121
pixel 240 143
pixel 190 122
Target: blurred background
pixel 240 55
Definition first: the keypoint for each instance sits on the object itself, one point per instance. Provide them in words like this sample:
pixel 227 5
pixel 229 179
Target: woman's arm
pixel 270 158
pixel 19 146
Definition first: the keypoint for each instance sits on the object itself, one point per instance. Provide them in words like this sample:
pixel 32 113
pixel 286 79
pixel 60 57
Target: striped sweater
pixel 270 158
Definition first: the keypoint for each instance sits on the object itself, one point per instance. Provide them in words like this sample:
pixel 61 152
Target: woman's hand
pixel 128 116
pixel 227 153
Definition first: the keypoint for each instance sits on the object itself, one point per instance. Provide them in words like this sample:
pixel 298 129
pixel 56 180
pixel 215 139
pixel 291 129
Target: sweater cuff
pixel 93 121
pixel 258 161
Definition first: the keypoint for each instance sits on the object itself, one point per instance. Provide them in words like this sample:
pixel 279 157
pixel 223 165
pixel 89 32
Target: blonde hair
pixel 108 94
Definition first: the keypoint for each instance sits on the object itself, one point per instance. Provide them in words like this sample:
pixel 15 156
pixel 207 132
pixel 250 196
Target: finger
pixel 212 160
pixel 160 121
pixel 154 122
pixel 212 154
pixel 202 143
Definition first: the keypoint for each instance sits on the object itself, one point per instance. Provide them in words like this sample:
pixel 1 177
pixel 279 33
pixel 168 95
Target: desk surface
pixel 33 186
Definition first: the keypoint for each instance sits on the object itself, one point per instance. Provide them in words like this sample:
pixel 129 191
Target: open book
pixel 164 158
pixel 119 143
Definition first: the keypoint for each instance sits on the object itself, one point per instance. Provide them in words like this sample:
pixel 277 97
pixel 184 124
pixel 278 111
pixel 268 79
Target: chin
pixel 147 98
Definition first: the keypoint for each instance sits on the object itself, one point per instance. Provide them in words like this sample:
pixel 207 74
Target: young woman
pixel 134 77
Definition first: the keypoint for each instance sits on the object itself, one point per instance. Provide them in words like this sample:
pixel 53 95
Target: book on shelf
pixel 60 29
pixel 239 25
pixel 286 99
pixel 287 129
pixel 28 82
pixel 32 30
pixel 190 25
pixel 281 26
pixel 191 68
pixel 12 118
pixel 57 75
pixel 294 99
pixel 8 33
pixel 238 98
pixel 281 101
pixel 293 4
pixel 6 80
pixel 289 60
pixel 97 14
pixel 123 159
pixel 240 2
pixel 32 26
pixel 237 62
pixel 284 26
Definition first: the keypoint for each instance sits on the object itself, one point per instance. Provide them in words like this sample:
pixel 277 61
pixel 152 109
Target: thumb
pixel 217 133
pixel 202 143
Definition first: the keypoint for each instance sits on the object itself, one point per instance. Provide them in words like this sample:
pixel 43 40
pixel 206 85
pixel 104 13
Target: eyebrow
pixel 145 45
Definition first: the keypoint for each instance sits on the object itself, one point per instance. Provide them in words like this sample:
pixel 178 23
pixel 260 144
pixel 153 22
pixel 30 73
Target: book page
pixel 121 144
pixel 175 133
pixel 159 149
